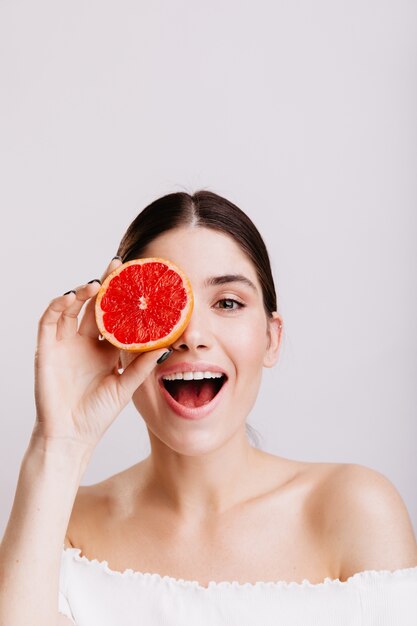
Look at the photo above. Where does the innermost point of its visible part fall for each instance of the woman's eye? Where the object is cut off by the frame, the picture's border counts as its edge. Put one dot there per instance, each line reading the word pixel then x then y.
pixel 228 302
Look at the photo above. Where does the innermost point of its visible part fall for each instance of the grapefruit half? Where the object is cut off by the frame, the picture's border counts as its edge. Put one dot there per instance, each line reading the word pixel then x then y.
pixel 144 304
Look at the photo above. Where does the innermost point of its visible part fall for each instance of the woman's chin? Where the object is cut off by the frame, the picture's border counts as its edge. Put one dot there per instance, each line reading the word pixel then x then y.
pixel 193 444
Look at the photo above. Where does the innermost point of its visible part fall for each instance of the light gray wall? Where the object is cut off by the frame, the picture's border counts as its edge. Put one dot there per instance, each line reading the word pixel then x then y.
pixel 302 113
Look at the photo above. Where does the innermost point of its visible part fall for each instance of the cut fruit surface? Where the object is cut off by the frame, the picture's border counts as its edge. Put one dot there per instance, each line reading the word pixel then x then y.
pixel 145 304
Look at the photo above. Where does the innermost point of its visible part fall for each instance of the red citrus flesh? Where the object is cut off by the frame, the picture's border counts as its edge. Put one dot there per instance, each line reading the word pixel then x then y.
pixel 144 304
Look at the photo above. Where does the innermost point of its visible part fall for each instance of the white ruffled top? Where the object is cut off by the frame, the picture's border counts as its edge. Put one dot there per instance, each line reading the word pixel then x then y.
pixel 92 594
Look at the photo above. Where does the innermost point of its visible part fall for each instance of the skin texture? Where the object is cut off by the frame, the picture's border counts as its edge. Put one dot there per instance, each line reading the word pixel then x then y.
pixel 205 505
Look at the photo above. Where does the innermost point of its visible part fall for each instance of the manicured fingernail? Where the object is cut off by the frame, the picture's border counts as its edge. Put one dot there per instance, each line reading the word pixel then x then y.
pixel 117 257
pixel 165 356
pixel 95 280
pixel 71 291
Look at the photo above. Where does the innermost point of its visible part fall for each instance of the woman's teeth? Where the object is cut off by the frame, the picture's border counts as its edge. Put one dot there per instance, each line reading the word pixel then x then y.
pixel 192 375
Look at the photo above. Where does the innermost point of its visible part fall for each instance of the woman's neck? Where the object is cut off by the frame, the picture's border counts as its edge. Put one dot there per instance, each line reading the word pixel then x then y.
pixel 201 486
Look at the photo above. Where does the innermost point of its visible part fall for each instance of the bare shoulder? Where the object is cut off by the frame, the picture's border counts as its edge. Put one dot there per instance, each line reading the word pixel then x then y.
pixel 90 505
pixel 96 504
pixel 368 523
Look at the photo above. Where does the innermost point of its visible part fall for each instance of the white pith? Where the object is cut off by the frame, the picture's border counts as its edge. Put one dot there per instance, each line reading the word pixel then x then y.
pixel 192 375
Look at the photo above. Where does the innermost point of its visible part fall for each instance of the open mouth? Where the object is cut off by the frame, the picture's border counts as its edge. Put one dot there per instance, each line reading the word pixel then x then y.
pixel 194 393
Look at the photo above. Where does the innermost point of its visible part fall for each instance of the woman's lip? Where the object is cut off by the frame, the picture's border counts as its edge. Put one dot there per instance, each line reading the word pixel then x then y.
pixel 191 413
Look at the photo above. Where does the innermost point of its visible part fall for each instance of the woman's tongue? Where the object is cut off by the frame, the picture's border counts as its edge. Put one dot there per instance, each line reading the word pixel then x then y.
pixel 193 393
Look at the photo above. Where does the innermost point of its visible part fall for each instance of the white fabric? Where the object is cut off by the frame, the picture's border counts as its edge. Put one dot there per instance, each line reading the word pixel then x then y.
pixel 91 594
pixel 63 604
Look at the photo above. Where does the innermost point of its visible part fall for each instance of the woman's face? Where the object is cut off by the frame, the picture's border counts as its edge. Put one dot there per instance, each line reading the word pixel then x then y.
pixel 236 337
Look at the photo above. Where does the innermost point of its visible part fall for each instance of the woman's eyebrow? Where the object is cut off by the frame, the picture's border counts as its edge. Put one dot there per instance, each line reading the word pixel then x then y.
pixel 212 281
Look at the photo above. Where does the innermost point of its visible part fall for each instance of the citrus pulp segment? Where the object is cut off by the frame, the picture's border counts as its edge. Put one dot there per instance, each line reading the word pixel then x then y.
pixel 144 304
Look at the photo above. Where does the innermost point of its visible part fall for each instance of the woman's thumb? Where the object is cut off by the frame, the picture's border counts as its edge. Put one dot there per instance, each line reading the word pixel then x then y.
pixel 140 368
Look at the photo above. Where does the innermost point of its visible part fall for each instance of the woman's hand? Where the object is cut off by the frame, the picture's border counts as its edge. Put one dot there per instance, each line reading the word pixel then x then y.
pixel 78 388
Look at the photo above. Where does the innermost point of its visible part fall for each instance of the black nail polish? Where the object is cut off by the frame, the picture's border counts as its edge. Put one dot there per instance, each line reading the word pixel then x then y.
pixel 71 291
pixel 165 356
pixel 95 280
pixel 117 257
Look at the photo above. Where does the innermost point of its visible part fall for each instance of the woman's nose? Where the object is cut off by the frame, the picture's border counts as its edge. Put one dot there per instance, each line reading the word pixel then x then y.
pixel 196 334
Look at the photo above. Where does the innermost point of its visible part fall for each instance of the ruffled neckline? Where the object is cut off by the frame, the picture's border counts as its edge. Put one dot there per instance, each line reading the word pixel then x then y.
pixel 359 577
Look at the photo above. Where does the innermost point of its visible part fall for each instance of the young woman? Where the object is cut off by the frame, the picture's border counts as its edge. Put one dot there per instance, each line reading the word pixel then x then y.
pixel 207 529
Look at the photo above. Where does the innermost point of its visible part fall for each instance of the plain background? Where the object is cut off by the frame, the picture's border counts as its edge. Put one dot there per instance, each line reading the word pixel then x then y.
pixel 303 114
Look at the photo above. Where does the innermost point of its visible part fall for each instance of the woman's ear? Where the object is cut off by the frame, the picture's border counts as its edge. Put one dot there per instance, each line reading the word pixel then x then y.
pixel 274 333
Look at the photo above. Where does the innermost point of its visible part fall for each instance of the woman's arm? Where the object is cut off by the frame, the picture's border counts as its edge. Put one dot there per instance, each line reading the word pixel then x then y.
pixel 78 395
pixel 30 552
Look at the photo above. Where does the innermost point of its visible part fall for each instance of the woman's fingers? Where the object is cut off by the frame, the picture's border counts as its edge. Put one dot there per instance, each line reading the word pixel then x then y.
pixel 88 324
pixel 48 323
pixel 60 319
pixel 68 322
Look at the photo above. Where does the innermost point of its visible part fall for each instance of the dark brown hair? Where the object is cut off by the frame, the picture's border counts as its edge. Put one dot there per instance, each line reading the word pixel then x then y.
pixel 205 209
